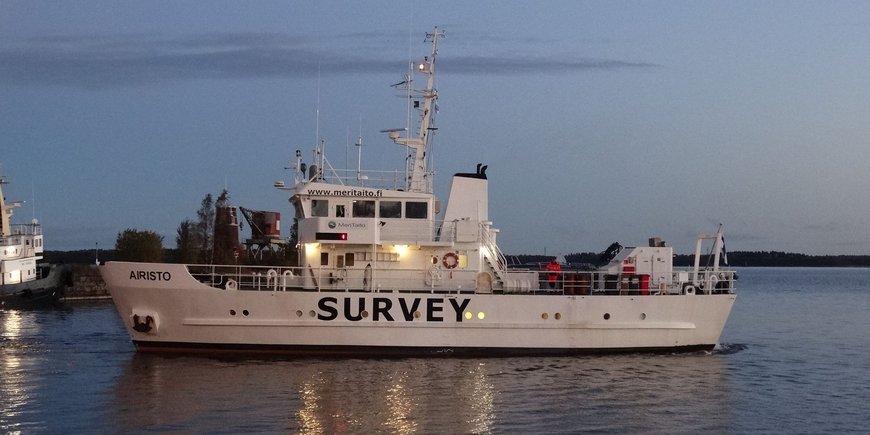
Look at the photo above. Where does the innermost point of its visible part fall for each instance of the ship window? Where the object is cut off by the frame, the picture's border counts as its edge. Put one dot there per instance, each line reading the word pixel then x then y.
pixel 391 209
pixel 416 210
pixel 348 260
pixel 364 209
pixel 324 259
pixel 339 210
pixel 319 207
pixel 387 256
pixel 339 261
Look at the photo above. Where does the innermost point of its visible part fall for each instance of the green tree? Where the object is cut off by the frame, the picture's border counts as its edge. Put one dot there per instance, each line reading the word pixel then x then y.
pixel 205 229
pixel 143 246
pixel 187 242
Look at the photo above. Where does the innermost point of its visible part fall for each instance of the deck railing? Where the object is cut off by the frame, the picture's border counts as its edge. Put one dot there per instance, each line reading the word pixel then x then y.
pixel 436 280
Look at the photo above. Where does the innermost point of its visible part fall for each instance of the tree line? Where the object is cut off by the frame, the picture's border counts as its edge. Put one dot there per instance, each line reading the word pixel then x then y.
pixel 196 242
pixel 735 259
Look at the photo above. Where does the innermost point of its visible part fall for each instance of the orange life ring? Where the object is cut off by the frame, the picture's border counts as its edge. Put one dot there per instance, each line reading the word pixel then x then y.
pixel 453 260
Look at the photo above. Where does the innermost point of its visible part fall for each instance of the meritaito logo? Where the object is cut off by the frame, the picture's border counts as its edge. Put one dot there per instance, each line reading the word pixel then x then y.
pixel 356 193
pixel 331 225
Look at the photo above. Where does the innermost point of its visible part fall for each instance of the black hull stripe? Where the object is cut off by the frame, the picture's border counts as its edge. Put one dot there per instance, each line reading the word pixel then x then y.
pixel 392 351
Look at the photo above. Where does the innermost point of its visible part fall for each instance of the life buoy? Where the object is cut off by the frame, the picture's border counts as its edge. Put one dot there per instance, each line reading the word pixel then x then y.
pixel 232 284
pixel 689 289
pixel 450 260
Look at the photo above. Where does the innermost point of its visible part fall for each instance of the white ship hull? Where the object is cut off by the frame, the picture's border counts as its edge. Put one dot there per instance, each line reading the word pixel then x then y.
pixel 186 315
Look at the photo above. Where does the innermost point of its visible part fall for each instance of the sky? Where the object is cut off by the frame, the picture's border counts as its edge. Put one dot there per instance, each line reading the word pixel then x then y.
pixel 600 121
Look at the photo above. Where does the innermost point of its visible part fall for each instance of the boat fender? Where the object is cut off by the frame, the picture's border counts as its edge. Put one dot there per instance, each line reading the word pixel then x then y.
pixel 689 289
pixel 232 284
pixel 450 260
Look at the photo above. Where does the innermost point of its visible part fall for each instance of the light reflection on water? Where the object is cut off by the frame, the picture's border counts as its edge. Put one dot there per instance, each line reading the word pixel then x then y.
pixel 796 359
pixel 13 385
pixel 310 396
pixel 633 392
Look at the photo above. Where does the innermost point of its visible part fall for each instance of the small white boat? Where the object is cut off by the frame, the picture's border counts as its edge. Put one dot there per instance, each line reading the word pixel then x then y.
pixel 24 282
pixel 383 271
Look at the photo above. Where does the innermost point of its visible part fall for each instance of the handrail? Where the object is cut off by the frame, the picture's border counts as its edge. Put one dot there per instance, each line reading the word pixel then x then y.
pixel 567 282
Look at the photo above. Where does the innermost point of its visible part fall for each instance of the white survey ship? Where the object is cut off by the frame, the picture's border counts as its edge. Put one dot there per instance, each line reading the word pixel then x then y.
pixel 384 272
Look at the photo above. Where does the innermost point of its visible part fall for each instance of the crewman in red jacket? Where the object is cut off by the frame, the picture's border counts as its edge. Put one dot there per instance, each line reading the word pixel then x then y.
pixel 555 270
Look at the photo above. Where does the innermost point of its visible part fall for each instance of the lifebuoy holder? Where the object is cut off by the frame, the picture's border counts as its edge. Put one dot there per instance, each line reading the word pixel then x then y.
pixel 450 260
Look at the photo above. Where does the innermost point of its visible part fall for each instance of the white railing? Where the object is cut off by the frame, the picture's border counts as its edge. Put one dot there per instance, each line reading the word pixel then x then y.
pixel 432 280
pixel 375 179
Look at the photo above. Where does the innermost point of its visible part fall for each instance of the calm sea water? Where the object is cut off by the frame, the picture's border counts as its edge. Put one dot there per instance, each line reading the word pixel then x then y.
pixel 795 358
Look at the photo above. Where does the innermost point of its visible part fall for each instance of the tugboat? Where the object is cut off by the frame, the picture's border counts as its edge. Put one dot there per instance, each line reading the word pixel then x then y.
pixel 25 283
pixel 383 271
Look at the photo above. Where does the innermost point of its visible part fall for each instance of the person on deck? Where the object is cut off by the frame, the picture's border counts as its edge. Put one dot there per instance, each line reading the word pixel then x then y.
pixel 555 270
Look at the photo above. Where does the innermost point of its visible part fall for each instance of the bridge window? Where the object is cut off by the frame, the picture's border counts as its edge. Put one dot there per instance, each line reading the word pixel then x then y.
pixel 391 209
pixel 319 207
pixel 348 259
pixel 339 210
pixel 364 209
pixel 416 210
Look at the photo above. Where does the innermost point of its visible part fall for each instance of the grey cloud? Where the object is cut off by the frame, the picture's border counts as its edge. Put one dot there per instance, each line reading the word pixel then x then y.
pixel 506 66
pixel 101 61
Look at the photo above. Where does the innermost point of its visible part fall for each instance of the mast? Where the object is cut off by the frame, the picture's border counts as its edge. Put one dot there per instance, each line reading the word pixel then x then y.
pixel 417 180
pixel 4 215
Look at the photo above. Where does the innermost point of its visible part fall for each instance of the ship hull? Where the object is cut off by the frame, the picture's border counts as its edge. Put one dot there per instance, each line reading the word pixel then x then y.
pixel 166 310
pixel 35 294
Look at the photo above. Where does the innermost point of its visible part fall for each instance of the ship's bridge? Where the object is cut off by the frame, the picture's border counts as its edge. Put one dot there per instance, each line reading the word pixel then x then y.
pixel 361 215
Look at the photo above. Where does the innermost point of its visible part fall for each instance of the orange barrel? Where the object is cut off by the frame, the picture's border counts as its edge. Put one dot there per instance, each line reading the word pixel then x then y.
pixel 569 281
pixel 585 285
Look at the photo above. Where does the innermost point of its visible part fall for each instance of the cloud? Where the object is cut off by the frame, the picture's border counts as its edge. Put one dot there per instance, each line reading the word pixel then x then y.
pixel 531 65
pixel 113 61
pixel 827 227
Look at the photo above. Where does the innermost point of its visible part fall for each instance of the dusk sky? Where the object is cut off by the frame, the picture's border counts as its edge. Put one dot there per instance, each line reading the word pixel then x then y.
pixel 600 121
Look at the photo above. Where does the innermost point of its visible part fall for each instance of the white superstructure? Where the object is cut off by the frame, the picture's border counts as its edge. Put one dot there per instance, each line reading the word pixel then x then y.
pixel 384 271
pixel 20 245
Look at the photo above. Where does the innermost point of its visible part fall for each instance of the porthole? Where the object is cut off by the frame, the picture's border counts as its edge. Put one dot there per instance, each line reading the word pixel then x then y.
pixel 312 313
pixel 365 314
pixel 232 312
pixel 558 316
pixel 417 314
pixel 544 316
pixel 245 312
pixel 298 313
pixel 480 315
pixel 642 316
pixel 606 316
pixel 468 315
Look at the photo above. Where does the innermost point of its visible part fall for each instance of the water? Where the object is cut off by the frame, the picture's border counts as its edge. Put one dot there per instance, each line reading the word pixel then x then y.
pixel 795 359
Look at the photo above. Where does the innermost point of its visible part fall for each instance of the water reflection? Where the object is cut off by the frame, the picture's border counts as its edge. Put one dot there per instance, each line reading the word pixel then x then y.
pixel 668 393
pixel 14 383
pixel 12 388
pixel 309 396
